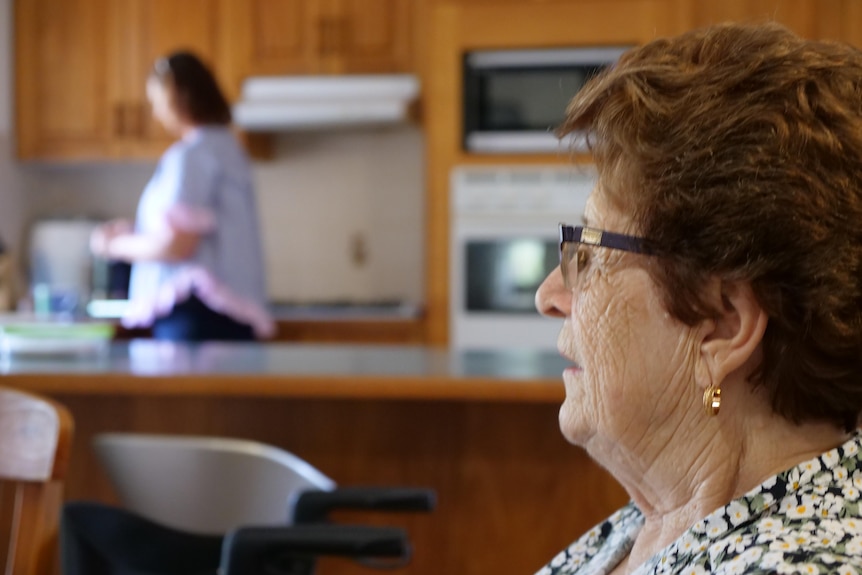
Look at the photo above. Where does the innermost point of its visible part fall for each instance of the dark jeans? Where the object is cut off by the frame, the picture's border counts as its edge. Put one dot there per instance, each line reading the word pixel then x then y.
pixel 192 320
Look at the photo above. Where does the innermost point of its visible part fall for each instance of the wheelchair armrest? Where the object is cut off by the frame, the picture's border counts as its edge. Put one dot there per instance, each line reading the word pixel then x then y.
pixel 292 550
pixel 313 506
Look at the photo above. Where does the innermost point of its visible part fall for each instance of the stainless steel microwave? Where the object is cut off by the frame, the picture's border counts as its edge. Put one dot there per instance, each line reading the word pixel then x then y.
pixel 515 99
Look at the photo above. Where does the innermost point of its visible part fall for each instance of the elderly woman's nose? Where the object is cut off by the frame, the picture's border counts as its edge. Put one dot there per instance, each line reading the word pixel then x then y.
pixel 553 299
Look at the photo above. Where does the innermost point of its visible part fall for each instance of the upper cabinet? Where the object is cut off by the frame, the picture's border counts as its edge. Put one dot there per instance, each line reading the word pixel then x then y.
pixel 81 65
pixel 143 31
pixel 63 84
pixel 81 69
pixel 823 19
pixel 271 37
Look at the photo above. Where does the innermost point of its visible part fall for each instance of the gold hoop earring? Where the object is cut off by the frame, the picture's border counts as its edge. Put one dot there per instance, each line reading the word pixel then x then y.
pixel 712 400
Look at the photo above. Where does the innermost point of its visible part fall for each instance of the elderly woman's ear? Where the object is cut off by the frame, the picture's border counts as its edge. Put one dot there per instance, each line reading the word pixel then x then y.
pixel 730 342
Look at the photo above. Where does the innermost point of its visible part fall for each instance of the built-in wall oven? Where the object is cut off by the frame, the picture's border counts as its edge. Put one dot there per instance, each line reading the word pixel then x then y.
pixel 504 241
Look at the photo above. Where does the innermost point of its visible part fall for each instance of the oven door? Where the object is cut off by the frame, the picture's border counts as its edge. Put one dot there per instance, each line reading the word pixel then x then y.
pixel 496 269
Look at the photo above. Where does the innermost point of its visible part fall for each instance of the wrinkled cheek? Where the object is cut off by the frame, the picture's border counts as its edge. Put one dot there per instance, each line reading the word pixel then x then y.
pixel 577 416
pixel 594 402
pixel 570 425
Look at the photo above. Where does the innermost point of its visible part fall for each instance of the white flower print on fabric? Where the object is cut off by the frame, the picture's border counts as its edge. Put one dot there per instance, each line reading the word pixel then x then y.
pixel 804 520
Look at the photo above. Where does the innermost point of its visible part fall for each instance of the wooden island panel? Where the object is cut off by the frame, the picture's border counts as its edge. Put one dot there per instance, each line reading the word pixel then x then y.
pixel 511 492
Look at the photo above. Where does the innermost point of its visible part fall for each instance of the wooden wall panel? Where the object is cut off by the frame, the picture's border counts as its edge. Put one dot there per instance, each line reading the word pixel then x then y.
pixel 511 491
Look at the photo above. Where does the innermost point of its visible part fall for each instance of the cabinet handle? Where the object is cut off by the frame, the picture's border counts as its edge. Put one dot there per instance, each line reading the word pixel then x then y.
pixel 119 120
pixel 344 36
pixel 335 36
pixel 143 126
pixel 327 30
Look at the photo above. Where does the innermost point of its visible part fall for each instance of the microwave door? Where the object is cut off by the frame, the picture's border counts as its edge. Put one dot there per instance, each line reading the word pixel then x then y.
pixel 515 100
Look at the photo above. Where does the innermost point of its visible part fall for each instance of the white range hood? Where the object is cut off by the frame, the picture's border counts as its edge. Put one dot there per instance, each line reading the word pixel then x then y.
pixel 286 103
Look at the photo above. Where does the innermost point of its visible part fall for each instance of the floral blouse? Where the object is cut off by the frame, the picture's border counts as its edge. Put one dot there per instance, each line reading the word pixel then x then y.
pixel 804 520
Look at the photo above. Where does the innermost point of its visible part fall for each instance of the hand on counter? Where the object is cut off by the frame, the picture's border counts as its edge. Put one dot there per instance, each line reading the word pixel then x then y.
pixel 103 235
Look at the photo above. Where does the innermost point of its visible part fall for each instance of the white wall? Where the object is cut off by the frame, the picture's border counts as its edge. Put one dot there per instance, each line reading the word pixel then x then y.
pixel 328 189
pixel 322 192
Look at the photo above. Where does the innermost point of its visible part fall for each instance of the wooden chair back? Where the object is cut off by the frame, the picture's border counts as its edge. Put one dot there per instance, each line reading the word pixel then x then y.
pixel 35 444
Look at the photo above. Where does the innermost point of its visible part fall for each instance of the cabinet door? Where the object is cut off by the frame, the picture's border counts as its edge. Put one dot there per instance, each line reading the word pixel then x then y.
pixel 371 36
pixel 270 37
pixel 273 37
pixel 81 69
pixel 155 28
pixel 841 19
pixel 822 19
pixel 63 90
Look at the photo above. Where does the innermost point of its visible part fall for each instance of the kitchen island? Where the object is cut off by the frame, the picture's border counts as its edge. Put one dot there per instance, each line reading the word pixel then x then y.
pixel 478 427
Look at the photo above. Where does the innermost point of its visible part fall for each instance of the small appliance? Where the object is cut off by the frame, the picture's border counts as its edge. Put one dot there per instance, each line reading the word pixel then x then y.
pixel 63 274
pixel 514 99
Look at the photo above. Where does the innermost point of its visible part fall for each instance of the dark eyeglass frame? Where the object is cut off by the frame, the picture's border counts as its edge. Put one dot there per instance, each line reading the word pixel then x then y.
pixel 572 237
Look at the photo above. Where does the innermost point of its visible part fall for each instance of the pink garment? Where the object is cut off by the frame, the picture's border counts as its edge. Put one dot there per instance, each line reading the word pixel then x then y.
pixel 199 281
pixel 195 279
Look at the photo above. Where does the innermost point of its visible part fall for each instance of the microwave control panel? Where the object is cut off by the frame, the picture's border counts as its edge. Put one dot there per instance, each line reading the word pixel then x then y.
pixel 489 190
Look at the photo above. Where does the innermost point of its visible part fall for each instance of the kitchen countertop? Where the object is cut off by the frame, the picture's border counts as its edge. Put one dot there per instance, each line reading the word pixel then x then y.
pixel 284 311
pixel 148 367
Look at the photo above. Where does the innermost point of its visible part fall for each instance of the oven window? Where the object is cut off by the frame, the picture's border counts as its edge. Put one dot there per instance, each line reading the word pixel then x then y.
pixel 503 275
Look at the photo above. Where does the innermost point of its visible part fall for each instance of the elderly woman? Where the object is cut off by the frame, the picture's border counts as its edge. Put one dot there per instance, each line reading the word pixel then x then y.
pixel 712 305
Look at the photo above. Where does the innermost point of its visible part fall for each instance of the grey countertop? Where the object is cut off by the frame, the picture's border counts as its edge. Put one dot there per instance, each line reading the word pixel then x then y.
pixel 313 311
pixel 406 372
pixel 152 357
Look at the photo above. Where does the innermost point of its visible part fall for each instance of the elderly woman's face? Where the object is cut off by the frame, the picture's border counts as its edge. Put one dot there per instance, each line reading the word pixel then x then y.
pixel 633 362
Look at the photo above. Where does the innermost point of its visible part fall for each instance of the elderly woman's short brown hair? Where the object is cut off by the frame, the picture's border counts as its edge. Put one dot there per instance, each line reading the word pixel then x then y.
pixel 737 150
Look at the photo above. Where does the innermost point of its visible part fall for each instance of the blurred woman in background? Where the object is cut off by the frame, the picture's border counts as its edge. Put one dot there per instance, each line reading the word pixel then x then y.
pixel 197 263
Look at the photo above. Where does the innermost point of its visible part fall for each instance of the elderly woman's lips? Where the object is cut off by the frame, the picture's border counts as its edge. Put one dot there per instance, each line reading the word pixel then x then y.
pixel 575 365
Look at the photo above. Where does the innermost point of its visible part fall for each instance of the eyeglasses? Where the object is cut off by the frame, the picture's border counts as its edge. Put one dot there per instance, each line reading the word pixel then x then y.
pixel 573 257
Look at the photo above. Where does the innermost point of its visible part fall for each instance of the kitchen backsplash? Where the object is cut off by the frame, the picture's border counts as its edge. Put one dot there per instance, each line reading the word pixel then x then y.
pixel 341 212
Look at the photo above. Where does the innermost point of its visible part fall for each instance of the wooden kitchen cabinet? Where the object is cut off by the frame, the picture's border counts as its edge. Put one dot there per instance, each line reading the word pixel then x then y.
pixel 81 65
pixel 820 19
pixel 143 31
pixel 62 78
pixel 81 68
pixel 272 37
